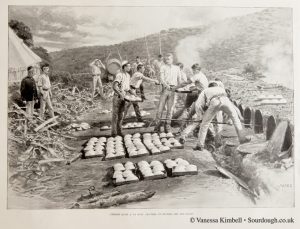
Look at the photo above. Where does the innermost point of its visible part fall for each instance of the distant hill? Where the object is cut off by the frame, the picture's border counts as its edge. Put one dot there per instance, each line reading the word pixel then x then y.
pixel 262 39
pixel 76 60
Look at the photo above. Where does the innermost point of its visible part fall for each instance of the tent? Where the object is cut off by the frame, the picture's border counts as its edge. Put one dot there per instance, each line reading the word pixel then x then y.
pixel 20 57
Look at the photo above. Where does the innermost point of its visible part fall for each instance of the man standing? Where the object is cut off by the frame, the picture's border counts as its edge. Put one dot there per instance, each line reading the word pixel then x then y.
pixel 135 84
pixel 169 78
pixel 212 100
pixel 29 91
pixel 199 79
pixel 121 85
pixel 45 91
pixel 135 64
pixel 158 64
pixel 96 72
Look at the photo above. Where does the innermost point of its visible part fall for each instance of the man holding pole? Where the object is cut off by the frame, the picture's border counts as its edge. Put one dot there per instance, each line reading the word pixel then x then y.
pixel 169 77
pixel 96 72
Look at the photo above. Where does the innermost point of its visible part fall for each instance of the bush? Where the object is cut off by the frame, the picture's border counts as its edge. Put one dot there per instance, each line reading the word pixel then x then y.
pixel 249 69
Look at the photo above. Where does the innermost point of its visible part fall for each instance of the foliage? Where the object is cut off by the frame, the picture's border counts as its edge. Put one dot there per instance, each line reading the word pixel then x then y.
pixel 42 53
pixel 22 31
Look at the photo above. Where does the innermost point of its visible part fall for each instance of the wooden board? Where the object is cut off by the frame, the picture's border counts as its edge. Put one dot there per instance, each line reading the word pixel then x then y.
pixel 175 174
pixel 156 177
pixel 247 117
pixel 288 139
pixel 276 142
pixel 241 108
pixel 186 92
pixel 271 126
pixel 258 122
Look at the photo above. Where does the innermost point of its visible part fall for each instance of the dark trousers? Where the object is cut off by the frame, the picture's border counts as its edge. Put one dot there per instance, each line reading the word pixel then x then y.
pixel 117 115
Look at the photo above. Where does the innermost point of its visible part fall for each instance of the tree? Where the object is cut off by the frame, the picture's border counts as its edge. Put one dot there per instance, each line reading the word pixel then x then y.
pixel 22 31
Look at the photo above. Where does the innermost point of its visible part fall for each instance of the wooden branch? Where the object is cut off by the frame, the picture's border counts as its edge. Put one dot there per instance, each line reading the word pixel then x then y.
pixel 79 155
pixel 51 151
pixel 53 160
pixel 86 199
pixel 49 126
pixel 117 200
pixel 45 123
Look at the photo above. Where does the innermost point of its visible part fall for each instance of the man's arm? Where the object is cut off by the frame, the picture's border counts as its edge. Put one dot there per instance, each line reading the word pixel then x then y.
pixel 147 79
pixel 116 88
pixel 22 89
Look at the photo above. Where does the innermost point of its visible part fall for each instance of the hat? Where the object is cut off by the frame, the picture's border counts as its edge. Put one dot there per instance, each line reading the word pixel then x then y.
pixel 124 62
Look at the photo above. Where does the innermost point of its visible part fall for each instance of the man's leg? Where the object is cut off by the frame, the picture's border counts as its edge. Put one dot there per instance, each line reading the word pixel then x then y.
pixel 115 111
pixel 137 112
pixel 127 106
pixel 121 117
pixel 161 106
pixel 42 107
pixel 207 118
pixel 229 109
pixel 170 106
pixel 100 87
pixel 94 85
pixel 49 106
pixel 28 108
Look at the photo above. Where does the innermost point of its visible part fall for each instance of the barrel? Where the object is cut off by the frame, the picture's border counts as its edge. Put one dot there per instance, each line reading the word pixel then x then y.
pixel 113 66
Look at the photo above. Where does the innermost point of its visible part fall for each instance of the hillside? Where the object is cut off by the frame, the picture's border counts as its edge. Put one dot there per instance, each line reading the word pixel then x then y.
pixel 262 39
pixel 76 60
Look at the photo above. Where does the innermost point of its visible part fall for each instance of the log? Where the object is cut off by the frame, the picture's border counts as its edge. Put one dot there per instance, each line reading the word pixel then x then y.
pixel 94 197
pixel 67 147
pixel 53 160
pixel 51 151
pixel 45 123
pixel 49 126
pixel 117 200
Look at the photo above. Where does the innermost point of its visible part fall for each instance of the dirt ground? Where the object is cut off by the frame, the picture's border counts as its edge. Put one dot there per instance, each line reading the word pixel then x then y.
pixel 62 185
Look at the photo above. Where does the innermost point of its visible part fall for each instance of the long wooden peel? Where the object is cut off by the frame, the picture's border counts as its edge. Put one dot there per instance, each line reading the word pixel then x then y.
pixel 190 120
pixel 236 179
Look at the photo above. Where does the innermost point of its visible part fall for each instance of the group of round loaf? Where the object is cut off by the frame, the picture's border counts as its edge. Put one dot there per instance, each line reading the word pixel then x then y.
pixel 134 145
pixel 153 143
pixel 152 169
pixel 180 165
pixel 95 146
pixel 114 147
pixel 133 125
pixel 171 142
pixel 124 172
pixel 166 135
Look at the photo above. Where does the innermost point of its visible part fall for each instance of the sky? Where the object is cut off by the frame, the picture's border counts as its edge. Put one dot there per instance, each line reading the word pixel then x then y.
pixel 57 28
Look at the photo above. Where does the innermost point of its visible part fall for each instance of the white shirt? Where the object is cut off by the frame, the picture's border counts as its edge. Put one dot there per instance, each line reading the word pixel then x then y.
pixel 44 82
pixel 136 79
pixel 123 78
pixel 201 78
pixel 95 69
pixel 170 75
pixel 183 77
pixel 207 94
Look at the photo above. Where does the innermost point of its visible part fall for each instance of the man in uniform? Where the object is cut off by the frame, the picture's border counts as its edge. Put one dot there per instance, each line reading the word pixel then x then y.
pixel 169 78
pixel 121 86
pixel 96 72
pixel 44 85
pixel 29 91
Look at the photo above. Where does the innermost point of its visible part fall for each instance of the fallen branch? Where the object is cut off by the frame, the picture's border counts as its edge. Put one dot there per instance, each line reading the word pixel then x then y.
pixel 53 160
pixel 79 155
pixel 117 200
pixel 45 123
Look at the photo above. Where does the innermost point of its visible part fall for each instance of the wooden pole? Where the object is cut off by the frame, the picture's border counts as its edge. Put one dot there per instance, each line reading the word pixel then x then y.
pixel 147 48
pixel 159 40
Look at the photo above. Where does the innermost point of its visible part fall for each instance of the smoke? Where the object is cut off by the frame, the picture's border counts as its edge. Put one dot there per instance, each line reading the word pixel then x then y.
pixel 188 50
pixel 277 59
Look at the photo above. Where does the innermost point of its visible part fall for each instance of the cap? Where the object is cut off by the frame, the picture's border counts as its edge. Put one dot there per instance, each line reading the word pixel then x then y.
pixel 124 62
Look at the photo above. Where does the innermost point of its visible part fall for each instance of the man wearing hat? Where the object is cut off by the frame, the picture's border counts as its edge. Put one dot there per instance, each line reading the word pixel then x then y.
pixel 121 85
pixel 170 77
pixel 96 72
pixel 200 81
